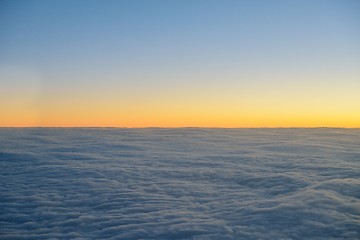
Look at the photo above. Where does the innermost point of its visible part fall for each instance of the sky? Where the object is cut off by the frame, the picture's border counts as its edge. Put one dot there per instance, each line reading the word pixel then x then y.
pixel 200 63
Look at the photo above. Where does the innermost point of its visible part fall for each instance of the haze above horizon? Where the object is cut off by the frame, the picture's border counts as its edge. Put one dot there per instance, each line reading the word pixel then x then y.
pixel 180 63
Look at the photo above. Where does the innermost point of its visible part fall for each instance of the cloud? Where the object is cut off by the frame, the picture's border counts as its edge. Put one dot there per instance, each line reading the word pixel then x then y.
pixel 179 184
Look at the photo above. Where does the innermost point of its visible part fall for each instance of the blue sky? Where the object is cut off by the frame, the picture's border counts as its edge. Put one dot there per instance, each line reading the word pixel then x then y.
pixel 112 32
pixel 152 46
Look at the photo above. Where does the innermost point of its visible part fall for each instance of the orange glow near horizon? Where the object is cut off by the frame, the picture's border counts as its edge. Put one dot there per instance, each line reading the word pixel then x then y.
pixel 280 105
pixel 190 113
pixel 211 106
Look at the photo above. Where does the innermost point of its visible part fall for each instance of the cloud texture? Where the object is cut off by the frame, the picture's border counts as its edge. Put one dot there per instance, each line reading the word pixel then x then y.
pixel 180 183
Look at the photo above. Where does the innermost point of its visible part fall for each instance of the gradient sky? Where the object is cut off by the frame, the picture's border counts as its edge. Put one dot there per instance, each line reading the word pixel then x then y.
pixel 180 63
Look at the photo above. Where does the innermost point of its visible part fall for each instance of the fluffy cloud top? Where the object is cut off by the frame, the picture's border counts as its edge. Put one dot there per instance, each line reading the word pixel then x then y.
pixel 179 184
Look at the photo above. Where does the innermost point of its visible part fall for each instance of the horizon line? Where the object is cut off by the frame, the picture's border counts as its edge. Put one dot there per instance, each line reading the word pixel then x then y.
pixel 185 127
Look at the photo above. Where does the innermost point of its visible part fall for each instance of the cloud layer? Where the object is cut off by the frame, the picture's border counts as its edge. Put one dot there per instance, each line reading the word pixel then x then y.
pixel 180 183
